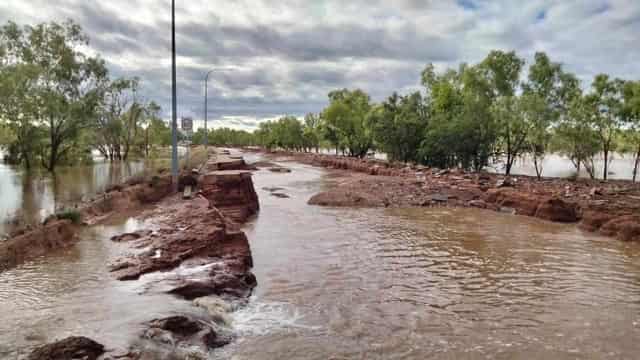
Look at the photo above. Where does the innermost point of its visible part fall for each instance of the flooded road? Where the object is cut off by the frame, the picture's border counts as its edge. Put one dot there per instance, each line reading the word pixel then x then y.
pixel 435 283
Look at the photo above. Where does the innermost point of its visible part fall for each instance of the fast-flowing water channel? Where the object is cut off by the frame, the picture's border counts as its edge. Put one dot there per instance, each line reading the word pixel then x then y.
pixel 436 283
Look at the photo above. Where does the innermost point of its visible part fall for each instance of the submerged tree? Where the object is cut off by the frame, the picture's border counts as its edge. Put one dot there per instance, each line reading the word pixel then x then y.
pixel 63 84
pixel 19 113
pixel 550 91
pixel 462 130
pixel 154 131
pixel 514 118
pixel 605 106
pixel 576 137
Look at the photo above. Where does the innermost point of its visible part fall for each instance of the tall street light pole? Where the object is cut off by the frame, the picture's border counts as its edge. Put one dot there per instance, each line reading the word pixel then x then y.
pixel 206 88
pixel 206 135
pixel 174 105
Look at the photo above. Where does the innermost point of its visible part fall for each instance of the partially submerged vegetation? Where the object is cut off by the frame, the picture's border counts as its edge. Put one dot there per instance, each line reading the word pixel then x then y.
pixel 73 215
pixel 57 103
pixel 477 114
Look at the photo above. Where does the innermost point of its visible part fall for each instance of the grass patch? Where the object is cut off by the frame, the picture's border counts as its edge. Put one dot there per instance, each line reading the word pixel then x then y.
pixel 70 214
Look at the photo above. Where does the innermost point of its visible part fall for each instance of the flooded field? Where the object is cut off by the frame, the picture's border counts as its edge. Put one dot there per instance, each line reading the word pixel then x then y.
pixel 29 197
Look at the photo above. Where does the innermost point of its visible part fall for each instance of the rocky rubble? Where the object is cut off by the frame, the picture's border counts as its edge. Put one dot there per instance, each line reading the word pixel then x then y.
pixel 232 192
pixel 75 347
pixel 202 235
pixel 200 250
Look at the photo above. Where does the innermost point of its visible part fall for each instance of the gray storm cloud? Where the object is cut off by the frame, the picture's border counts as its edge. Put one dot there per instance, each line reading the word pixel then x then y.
pixel 286 56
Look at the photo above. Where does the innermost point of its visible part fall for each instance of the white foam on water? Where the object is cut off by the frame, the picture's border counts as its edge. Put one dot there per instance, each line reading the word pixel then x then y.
pixel 260 318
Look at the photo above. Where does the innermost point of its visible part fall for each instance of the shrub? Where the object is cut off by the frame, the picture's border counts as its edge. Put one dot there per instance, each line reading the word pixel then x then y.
pixel 69 214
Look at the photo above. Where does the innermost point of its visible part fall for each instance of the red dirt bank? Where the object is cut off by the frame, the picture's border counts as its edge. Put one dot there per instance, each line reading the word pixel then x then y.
pixel 609 208
pixel 203 235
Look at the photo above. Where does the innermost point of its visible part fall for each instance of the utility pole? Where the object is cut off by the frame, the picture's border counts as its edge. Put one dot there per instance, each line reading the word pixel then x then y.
pixel 174 104
pixel 206 135
pixel 206 110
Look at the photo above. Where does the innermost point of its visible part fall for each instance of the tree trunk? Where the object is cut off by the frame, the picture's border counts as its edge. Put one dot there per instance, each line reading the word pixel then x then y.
pixel 125 155
pixel 54 146
pixel 53 154
pixel 591 168
pixel 606 163
pixel 508 166
pixel 27 162
pixel 636 165
pixel 538 166
pixel 25 155
pixel 146 142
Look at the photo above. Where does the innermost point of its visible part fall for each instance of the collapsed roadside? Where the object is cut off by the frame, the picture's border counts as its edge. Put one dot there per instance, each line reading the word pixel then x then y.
pixel 195 247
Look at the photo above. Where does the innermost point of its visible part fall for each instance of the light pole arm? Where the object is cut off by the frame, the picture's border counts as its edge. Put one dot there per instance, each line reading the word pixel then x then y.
pixel 206 89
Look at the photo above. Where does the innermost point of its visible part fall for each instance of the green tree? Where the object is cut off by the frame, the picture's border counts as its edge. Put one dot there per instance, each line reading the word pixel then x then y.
pixel 631 115
pixel 19 113
pixel 440 147
pixel 502 71
pixel 311 131
pixel 604 102
pixel 535 112
pixel 462 131
pixel 550 90
pixel 120 119
pixel 345 121
pixel 398 126
pixel 513 118
pixel 575 136
pixel 64 90
pixel 154 131
pixel 285 133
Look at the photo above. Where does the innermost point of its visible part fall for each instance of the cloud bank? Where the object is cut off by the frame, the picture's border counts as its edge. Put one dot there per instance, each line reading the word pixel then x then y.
pixel 283 57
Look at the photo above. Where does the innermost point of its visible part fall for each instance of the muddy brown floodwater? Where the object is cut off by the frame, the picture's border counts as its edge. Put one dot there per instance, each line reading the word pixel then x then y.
pixel 30 197
pixel 436 283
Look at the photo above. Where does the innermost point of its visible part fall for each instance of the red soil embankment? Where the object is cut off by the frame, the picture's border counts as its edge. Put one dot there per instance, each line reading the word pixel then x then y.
pixel 610 208
pixel 55 234
pixel 202 235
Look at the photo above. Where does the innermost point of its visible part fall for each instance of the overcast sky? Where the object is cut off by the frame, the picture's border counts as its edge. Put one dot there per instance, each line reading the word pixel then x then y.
pixel 283 57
